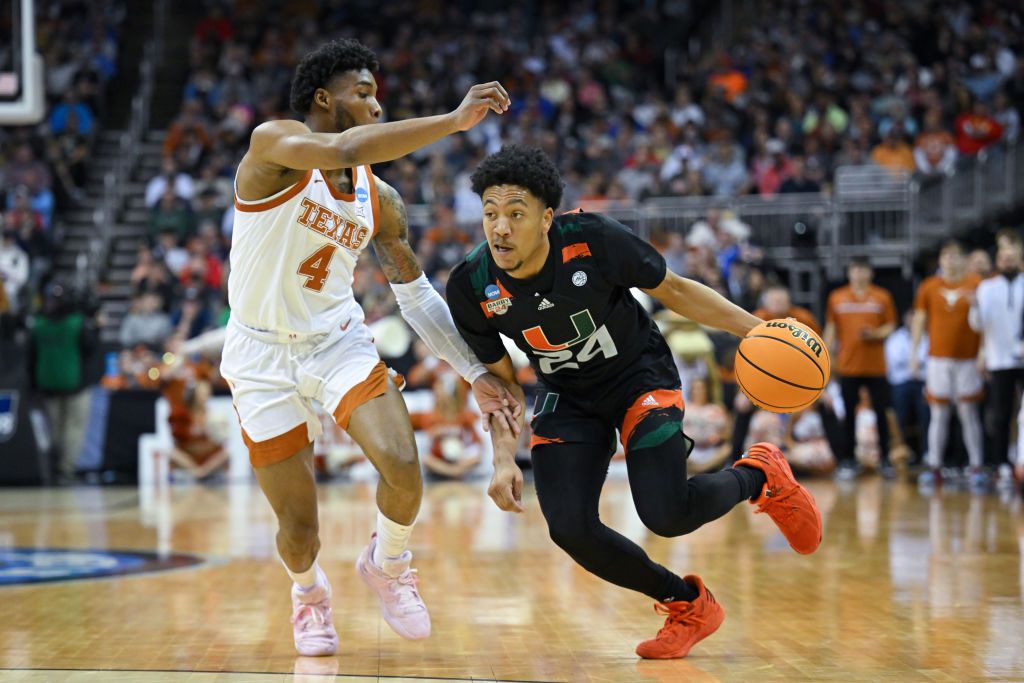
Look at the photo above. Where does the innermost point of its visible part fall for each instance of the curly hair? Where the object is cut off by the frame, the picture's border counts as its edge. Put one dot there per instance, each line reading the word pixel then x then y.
pixel 318 67
pixel 523 166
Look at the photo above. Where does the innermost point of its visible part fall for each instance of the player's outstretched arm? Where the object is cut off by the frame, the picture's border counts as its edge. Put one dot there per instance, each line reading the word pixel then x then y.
pixel 506 488
pixel 291 144
pixel 428 314
pixel 702 305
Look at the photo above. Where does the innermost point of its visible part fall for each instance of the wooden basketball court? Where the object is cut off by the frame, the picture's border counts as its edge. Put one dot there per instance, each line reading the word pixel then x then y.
pixel 904 588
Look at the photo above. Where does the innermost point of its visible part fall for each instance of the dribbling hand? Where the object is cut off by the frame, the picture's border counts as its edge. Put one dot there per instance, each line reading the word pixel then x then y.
pixel 478 101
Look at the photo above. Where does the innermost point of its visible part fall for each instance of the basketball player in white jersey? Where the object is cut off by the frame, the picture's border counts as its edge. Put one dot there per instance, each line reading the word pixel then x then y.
pixel 306 206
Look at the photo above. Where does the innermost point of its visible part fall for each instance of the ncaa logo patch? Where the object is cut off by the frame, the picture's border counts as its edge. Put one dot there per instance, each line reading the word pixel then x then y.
pixel 361 194
pixel 492 291
pixel 579 278
pixel 8 414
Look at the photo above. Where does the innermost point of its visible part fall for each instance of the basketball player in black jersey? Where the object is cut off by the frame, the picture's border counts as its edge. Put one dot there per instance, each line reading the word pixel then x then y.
pixel 558 286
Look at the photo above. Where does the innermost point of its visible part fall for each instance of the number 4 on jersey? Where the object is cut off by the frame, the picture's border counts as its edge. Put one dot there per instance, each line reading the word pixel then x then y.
pixel 316 268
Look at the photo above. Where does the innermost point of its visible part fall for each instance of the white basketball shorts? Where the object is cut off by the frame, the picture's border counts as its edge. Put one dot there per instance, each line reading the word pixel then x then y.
pixel 274 382
pixel 953 379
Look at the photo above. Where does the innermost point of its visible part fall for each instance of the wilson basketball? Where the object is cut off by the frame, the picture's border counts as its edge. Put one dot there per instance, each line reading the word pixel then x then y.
pixel 782 366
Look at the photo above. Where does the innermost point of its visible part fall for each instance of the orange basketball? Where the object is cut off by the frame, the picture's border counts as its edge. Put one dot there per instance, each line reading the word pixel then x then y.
pixel 782 366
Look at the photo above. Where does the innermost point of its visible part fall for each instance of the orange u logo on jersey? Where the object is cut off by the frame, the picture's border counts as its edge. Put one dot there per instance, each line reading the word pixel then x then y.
pixel 581 321
pixel 554 357
pixel 331 225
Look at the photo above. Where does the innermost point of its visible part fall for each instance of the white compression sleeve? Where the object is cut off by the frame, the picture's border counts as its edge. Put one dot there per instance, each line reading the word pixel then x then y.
pixel 428 314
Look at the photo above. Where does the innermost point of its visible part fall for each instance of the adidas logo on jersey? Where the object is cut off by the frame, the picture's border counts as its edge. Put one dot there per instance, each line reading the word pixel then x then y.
pixel 544 305
pixel 649 402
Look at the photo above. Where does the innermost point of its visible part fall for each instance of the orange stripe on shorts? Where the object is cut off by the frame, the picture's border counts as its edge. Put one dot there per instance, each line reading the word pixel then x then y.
pixel 375 384
pixel 277 448
pixel 543 441
pixel 662 398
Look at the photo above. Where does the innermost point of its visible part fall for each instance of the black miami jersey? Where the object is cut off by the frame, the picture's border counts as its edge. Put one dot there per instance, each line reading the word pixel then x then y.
pixel 576 320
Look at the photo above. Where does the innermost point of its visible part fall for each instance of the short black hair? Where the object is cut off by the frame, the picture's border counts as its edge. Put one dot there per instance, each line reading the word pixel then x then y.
pixel 523 166
pixel 860 262
pixel 1009 235
pixel 953 244
pixel 318 67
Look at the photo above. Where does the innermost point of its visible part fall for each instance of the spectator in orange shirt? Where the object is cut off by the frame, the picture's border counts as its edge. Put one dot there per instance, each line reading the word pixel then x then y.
pixel 858 318
pixel 455 445
pixel 188 390
pixel 893 153
pixel 776 303
pixel 727 77
pixel 188 128
pixel 943 303
pixel 935 150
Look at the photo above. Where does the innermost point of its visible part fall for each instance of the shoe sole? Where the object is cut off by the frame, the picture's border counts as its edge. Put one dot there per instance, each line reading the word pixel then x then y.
pixel 327 652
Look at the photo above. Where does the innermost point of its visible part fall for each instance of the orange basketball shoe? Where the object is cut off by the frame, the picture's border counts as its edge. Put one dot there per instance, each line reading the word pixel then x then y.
pixel 789 504
pixel 686 624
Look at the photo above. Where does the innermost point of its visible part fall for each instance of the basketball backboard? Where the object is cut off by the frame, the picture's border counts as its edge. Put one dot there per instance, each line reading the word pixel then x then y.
pixel 22 96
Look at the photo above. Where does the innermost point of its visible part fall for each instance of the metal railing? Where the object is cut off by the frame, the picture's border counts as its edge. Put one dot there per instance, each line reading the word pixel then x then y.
pixel 117 179
pixel 884 216
pixel 992 181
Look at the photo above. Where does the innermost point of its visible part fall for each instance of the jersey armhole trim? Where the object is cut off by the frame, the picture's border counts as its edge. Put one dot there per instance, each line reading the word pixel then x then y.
pixel 274 200
pixel 340 196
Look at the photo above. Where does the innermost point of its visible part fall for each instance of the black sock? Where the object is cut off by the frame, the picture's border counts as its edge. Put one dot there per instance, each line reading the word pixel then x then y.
pixel 678 589
pixel 751 479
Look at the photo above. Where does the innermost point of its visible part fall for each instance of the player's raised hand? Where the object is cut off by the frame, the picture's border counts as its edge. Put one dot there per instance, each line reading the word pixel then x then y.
pixel 506 489
pixel 478 101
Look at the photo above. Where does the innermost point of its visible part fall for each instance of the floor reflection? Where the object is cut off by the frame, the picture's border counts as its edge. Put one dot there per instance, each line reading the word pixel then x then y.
pixel 904 587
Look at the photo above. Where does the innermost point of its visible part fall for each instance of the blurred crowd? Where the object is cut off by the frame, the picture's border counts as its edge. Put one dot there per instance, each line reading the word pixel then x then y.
pixel 801 89
pixel 43 167
pixel 610 93
pixel 43 173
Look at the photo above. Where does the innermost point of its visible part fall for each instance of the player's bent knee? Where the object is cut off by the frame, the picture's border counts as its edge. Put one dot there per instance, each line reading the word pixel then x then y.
pixel 398 464
pixel 298 532
pixel 668 528
pixel 572 536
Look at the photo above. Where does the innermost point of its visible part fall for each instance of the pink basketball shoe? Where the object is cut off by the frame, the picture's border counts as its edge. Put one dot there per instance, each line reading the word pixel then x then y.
pixel 395 585
pixel 312 624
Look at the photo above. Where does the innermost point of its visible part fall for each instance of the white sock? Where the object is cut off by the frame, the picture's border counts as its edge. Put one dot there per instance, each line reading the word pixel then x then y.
pixel 970 424
pixel 392 539
pixel 938 434
pixel 304 580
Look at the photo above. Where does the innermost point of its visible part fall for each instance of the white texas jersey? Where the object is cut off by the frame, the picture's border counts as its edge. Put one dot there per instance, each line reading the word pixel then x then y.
pixel 293 254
